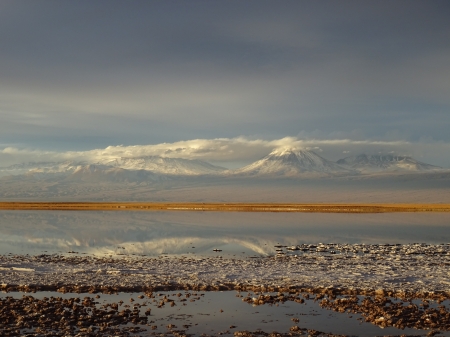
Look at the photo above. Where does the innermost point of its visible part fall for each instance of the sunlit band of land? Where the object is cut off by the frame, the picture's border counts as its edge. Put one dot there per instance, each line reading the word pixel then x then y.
pixel 224 207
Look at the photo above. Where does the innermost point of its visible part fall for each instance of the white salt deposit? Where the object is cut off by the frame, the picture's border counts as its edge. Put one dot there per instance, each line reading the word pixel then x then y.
pixel 412 268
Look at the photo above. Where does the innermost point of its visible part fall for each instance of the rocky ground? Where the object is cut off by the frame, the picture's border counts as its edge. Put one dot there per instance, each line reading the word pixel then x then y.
pixel 416 269
pixel 74 317
pixel 87 316
pixel 379 282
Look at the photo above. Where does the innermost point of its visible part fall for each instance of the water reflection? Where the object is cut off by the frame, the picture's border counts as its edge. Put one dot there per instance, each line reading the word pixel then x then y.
pixel 213 313
pixel 239 234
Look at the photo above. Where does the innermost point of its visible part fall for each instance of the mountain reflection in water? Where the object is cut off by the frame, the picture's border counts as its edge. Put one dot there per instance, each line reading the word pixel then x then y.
pixel 235 234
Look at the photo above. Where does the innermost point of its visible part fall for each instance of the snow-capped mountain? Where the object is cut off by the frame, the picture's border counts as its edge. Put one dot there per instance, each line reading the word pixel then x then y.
pixel 150 164
pixel 41 168
pixel 77 171
pixel 279 163
pixel 163 165
pixel 104 173
pixel 381 163
pixel 292 162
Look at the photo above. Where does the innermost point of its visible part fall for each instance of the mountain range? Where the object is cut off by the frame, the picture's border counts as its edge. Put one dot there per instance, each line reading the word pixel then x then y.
pixel 378 163
pixel 164 165
pixel 279 163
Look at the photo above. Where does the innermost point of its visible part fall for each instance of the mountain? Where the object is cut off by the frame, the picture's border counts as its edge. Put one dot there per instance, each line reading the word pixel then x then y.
pixel 104 173
pixel 381 163
pixel 150 164
pixel 163 165
pixel 77 171
pixel 41 168
pixel 292 162
pixel 149 169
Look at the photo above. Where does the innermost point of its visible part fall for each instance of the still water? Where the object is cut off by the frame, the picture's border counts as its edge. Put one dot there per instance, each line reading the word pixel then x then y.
pixel 223 313
pixel 237 235
pixel 180 233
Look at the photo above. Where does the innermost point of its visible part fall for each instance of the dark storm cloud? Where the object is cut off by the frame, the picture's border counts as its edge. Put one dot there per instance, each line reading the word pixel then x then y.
pixel 93 73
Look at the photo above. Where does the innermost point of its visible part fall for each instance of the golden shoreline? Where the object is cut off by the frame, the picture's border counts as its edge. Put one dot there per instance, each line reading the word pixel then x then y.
pixel 224 207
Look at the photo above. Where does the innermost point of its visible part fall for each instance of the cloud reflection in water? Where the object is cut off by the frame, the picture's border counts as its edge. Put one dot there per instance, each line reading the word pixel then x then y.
pixel 154 233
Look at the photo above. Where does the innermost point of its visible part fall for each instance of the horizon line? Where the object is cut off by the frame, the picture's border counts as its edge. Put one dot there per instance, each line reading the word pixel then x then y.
pixel 227 207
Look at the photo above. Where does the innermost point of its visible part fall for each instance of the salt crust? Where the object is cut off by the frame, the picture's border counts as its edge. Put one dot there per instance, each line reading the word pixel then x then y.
pixel 414 269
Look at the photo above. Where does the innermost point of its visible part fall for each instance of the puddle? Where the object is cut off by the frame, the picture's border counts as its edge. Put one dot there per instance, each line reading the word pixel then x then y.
pixel 214 313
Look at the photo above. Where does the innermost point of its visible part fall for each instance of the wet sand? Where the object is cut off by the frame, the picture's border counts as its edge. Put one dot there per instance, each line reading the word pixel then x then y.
pixel 226 207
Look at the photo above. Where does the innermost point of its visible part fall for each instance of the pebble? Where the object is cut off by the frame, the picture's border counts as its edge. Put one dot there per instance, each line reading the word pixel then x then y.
pixel 343 277
pixel 413 268
pixel 65 317
pixel 84 316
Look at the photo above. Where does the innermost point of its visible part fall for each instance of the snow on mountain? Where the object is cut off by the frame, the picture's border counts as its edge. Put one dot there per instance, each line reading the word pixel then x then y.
pixel 292 162
pixel 279 163
pixel 41 168
pixel 163 165
pixel 105 173
pixel 77 171
pixel 150 164
pixel 382 163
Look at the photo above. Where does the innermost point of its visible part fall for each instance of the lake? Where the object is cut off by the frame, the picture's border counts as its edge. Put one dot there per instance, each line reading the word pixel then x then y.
pixel 199 235
pixel 175 233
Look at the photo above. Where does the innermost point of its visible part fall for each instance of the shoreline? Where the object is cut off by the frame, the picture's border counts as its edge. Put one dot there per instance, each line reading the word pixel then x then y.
pixel 383 283
pixel 226 207
pixel 109 315
pixel 62 288
pixel 413 270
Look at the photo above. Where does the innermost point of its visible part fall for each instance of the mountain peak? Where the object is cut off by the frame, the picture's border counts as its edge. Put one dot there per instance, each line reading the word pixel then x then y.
pixel 286 150
pixel 292 162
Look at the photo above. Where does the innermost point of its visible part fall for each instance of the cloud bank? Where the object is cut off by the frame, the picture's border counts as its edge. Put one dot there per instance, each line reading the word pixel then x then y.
pixel 233 152
pixel 87 74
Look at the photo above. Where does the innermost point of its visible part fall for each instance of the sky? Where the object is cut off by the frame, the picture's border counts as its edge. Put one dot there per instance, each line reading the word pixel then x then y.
pixel 224 81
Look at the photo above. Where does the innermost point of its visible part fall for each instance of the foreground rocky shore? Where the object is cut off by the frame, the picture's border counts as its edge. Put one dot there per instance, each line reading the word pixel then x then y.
pixel 383 283
pixel 86 316
pixel 415 270
pixel 55 316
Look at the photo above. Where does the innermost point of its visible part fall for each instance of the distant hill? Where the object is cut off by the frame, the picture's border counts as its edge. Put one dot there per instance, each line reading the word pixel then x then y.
pixel 150 164
pixel 40 169
pixel 164 165
pixel 385 163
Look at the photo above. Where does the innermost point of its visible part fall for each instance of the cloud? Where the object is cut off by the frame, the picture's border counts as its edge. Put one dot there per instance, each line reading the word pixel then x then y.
pixel 155 72
pixel 239 150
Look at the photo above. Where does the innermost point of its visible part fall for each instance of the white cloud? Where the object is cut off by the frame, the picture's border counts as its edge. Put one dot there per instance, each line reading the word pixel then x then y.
pixel 238 150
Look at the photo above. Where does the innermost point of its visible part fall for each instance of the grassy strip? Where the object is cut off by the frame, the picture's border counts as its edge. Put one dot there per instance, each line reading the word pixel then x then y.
pixel 227 207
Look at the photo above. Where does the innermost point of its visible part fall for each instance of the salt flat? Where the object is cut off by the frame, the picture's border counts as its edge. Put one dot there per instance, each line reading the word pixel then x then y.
pixel 415 269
